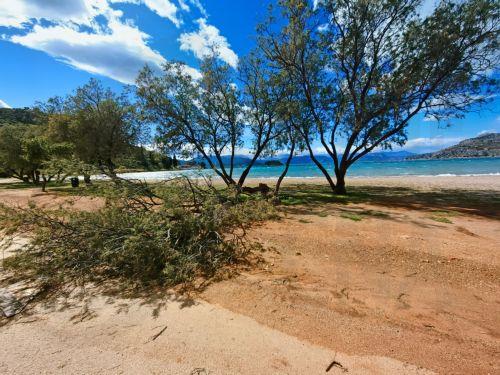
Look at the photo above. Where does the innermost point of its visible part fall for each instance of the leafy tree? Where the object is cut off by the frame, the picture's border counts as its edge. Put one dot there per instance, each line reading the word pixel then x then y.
pixel 11 151
pixel 208 116
pixel 27 154
pixel 102 125
pixel 362 70
pixel 263 100
pixel 194 116
pixel 19 116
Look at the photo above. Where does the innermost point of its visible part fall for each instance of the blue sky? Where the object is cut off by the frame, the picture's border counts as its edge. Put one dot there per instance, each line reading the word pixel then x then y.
pixel 49 47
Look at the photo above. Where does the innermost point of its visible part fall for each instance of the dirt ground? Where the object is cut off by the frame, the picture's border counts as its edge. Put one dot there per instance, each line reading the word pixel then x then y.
pixel 395 281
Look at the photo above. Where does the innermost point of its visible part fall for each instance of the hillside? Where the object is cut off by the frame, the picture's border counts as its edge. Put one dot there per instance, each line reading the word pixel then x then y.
pixel 243 160
pixel 18 115
pixel 487 145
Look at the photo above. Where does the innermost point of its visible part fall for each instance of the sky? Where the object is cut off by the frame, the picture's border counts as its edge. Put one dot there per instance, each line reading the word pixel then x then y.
pixel 50 47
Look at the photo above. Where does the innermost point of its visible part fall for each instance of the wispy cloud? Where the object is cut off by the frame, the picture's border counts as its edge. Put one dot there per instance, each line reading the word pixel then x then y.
pixel 487 131
pixel 89 35
pixel 431 143
pixel 4 105
pixel 17 13
pixel 206 39
pixel 163 8
pixel 119 53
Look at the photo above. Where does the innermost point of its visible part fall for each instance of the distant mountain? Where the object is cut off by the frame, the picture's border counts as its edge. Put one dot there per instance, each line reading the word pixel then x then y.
pixel 242 160
pixel 486 145
pixel 380 156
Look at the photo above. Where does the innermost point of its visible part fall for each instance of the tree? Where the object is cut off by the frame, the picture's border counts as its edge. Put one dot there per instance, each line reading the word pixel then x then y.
pixel 263 100
pixel 195 116
pixel 28 154
pixel 102 125
pixel 364 69
pixel 208 116
pixel 11 151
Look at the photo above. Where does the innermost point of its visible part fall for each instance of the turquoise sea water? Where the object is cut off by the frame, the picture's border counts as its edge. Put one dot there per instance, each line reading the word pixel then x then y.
pixel 451 167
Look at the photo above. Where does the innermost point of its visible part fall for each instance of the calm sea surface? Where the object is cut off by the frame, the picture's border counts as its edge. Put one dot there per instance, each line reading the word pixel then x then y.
pixel 452 167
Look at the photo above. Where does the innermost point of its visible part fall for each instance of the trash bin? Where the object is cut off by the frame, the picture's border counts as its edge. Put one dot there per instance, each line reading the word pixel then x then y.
pixel 75 182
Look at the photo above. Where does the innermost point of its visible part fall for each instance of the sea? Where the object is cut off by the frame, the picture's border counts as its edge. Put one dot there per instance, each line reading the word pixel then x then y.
pixel 448 167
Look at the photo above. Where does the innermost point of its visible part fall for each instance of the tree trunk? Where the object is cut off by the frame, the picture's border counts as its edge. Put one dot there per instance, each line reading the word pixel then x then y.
pixel 36 177
pixel 44 183
pixel 321 167
pixel 246 171
pixel 285 171
pixel 340 185
pixel 86 178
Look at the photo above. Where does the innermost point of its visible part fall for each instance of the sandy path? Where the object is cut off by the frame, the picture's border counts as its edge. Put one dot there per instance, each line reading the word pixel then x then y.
pixel 118 340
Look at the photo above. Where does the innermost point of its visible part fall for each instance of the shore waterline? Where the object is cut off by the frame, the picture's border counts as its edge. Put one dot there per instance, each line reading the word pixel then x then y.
pixel 448 167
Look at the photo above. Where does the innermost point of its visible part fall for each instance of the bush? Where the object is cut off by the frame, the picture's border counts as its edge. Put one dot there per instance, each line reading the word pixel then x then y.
pixel 164 235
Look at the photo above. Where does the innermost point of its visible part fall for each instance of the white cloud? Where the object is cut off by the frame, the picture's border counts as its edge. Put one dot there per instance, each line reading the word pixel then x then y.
pixel 163 8
pixel 487 131
pixel 427 144
pixel 184 6
pixel 4 105
pixel 17 13
pixel 208 37
pixel 118 54
pixel 110 47
pixel 201 8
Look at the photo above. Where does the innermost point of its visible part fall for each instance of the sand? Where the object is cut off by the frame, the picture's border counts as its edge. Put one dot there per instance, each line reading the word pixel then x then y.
pixel 394 293
pixel 483 182
pixel 194 339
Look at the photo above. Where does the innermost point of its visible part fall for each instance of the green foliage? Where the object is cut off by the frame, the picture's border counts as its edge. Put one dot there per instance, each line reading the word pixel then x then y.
pixel 163 235
pixel 12 116
pixel 441 219
pixel 359 71
pixel 351 216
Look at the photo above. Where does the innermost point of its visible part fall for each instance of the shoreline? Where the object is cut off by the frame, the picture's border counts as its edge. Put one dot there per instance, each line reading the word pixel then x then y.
pixel 484 182
pixel 462 182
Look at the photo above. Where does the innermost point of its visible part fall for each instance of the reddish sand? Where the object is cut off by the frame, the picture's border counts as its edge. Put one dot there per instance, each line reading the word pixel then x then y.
pixel 396 292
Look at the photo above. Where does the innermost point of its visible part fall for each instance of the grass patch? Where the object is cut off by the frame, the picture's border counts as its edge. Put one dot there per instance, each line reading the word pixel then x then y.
pixel 375 213
pixel 305 221
pixel 441 219
pixel 351 216
pixel 445 213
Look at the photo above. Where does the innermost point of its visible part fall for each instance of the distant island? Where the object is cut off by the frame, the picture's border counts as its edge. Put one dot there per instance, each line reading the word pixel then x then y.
pixel 486 145
pixel 273 163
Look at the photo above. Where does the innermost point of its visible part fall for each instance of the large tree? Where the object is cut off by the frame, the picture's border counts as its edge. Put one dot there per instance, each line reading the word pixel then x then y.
pixel 195 116
pixel 363 69
pixel 208 116
pixel 28 154
pixel 102 125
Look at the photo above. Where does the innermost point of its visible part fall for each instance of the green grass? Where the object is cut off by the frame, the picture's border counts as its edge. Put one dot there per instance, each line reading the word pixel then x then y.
pixel 351 216
pixel 375 213
pixel 305 221
pixel 441 219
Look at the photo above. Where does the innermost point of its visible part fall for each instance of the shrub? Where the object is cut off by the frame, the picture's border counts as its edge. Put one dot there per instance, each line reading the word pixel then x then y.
pixel 164 235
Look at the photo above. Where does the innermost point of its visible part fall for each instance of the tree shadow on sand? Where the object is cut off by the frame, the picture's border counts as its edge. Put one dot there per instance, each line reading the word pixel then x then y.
pixel 314 199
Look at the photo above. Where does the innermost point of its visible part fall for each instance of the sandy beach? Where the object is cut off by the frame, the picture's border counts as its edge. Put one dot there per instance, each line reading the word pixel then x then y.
pixel 401 279
pixel 484 182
